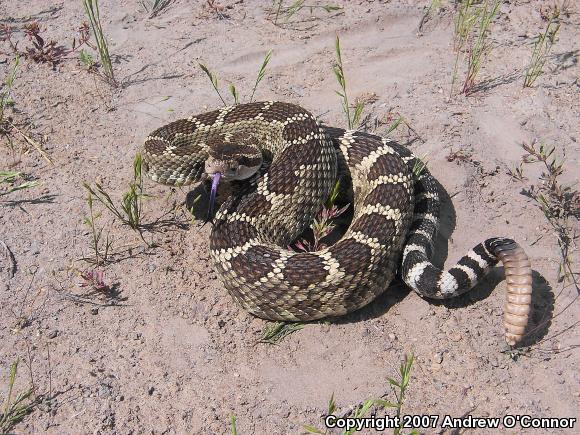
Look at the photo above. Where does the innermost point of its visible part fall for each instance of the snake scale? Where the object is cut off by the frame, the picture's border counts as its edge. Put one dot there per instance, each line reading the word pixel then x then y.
pixel 285 164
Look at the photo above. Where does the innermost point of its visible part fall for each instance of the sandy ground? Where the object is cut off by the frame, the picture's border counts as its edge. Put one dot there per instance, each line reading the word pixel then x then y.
pixel 168 350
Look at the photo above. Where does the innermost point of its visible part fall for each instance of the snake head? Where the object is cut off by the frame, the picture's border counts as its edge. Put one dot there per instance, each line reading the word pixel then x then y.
pixel 233 162
pixel 235 157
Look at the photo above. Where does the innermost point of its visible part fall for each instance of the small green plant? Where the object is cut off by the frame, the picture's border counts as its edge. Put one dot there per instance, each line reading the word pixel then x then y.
pixel 131 209
pixel 261 73
pixel 10 179
pixel 234 430
pixel 464 22
pixel 419 166
pixel 394 125
pixel 154 7
pixel 559 203
pixel 542 47
pixel 353 118
pixel 323 223
pixel 330 409
pixel 398 388
pixel 276 331
pixel 234 93
pixel 395 120
pixel 213 78
pixel 93 14
pixel 100 247
pixel 87 60
pixel 13 411
pixel 279 9
pixel 472 29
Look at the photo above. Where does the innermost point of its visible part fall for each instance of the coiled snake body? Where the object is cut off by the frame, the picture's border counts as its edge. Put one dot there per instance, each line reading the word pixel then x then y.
pixel 395 214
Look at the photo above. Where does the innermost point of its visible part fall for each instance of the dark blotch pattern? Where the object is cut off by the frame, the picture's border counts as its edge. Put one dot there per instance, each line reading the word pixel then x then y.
pixel 387 164
pixel 255 263
pixel 208 118
pixel 423 206
pixel 229 234
pixel 155 146
pixel 429 279
pixel 243 112
pixel 351 255
pixel 229 150
pixel 282 111
pixel 364 146
pixel 281 177
pixel 472 264
pixel 188 150
pixel 461 277
pixel 376 226
pixel 182 126
pixel 301 129
pixel 480 250
pixel 304 269
pixel 395 195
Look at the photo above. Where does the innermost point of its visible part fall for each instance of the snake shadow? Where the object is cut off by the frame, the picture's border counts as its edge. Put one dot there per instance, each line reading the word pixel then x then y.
pixel 543 299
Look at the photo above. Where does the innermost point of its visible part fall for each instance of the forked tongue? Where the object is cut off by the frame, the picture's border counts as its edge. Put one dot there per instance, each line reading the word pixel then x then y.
pixel 212 194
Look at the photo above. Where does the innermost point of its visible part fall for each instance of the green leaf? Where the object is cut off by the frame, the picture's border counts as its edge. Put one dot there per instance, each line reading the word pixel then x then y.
pixel 331 405
pixel 213 79
pixel 234 429
pixel 394 125
pixel 261 73
pixel 331 8
pixel 234 93
pixel 337 49
pixel 358 110
pixel 394 383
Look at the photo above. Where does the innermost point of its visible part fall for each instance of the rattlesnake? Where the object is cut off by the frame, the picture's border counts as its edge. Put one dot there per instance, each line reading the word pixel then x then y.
pixel 290 164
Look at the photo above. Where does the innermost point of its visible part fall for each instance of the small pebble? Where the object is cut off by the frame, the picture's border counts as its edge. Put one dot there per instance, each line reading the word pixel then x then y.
pixel 94 311
pixel 455 336
pixel 53 333
pixel 438 358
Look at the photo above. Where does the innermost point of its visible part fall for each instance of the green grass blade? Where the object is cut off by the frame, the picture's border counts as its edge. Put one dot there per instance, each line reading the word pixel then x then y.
pixel 261 73
pixel 94 16
pixel 234 93
pixel 234 429
pixel 394 125
pixel 213 79
pixel 275 332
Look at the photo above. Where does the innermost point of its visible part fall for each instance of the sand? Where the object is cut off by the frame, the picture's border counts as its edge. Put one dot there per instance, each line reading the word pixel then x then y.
pixel 167 350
